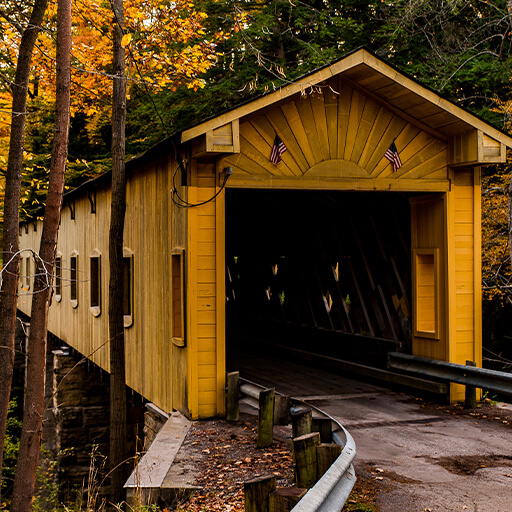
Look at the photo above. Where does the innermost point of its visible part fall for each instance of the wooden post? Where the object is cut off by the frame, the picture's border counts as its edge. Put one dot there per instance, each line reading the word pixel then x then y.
pixel 257 491
pixel 324 426
pixel 305 459
pixel 282 410
pixel 232 405
pixel 266 418
pixel 470 396
pixel 284 499
pixel 326 454
pixel 302 420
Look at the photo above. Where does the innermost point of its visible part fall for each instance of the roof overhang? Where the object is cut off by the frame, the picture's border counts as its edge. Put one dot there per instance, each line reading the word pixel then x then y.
pixel 400 93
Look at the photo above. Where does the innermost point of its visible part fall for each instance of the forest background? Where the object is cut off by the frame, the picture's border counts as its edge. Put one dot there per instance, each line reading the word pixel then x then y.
pixel 188 60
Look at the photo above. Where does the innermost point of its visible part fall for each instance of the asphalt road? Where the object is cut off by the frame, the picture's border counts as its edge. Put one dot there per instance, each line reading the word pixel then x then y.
pixel 422 458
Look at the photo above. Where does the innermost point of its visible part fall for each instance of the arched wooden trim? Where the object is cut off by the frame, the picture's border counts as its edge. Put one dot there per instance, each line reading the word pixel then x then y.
pixel 338 168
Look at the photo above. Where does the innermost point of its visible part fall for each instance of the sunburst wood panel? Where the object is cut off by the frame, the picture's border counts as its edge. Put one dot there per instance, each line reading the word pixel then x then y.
pixel 339 124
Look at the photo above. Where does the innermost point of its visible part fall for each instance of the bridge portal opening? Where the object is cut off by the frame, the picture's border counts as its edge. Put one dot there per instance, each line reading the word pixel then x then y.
pixel 321 271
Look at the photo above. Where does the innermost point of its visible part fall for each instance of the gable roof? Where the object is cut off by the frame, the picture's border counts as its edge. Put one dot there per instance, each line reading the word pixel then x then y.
pixel 378 79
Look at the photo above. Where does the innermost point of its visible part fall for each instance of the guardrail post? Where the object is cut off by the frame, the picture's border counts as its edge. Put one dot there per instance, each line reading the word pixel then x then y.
pixel 266 418
pixel 283 499
pixel 282 410
pixel 470 395
pixel 257 491
pixel 326 454
pixel 305 459
pixel 232 401
pixel 302 419
pixel 324 426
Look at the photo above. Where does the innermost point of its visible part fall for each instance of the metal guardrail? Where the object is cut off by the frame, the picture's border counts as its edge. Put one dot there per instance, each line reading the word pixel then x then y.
pixel 331 491
pixel 500 382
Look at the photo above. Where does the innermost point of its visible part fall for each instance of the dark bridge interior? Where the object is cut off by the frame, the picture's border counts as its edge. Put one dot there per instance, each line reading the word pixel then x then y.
pixel 326 272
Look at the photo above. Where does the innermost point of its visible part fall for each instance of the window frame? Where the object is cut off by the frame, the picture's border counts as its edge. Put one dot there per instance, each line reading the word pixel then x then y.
pixel 95 283
pixel 58 277
pixel 128 258
pixel 426 277
pixel 73 279
pixel 177 265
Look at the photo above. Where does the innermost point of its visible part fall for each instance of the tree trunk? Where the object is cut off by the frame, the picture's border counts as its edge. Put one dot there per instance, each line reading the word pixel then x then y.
pixel 115 308
pixel 33 410
pixel 509 202
pixel 9 278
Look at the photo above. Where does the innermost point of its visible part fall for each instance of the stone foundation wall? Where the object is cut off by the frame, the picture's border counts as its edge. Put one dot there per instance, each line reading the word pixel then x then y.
pixel 76 431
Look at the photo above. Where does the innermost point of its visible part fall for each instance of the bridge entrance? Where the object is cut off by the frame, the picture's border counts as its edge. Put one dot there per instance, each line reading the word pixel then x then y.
pixel 323 271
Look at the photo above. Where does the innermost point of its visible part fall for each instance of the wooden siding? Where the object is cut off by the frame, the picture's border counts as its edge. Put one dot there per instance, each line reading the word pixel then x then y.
pixel 465 311
pixel 451 224
pixel 336 139
pixel 155 367
pixel 206 351
pixel 428 236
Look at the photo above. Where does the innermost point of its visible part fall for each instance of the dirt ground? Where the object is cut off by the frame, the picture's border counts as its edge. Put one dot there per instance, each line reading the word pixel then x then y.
pixel 226 456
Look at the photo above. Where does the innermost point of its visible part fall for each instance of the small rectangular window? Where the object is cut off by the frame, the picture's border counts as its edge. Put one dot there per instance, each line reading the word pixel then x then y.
pixel 426 293
pixel 73 265
pixel 27 274
pixel 95 282
pixel 58 278
pixel 177 299
pixel 127 287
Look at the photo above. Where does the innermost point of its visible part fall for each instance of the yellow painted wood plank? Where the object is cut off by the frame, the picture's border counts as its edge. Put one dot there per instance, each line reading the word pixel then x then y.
pixel 319 115
pixel 344 103
pixel 463 181
pixel 220 339
pixel 465 336
pixel 464 228
pixel 192 316
pixel 434 167
pixel 396 125
pixel 380 124
pixel 428 158
pixel 206 276
pixel 207 384
pixel 207 343
pixel 322 183
pixel 308 121
pixel 331 114
pixel 366 124
pixel 356 112
pixel 465 324
pixel 206 317
pixel 304 155
pixel 464 205
pixel 477 269
pixel 208 371
pixel 207 261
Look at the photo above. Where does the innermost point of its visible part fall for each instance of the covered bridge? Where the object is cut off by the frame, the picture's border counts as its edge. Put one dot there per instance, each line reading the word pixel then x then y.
pixel 224 245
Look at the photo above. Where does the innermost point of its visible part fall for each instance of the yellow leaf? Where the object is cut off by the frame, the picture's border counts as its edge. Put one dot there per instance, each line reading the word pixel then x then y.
pixel 126 40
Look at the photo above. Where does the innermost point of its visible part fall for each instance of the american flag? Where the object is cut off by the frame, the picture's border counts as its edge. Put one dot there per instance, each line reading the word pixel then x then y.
pixel 277 150
pixel 392 155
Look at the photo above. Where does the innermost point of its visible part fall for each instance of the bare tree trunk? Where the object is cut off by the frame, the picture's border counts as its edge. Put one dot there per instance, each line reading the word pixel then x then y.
pixel 9 278
pixel 509 202
pixel 33 410
pixel 115 308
